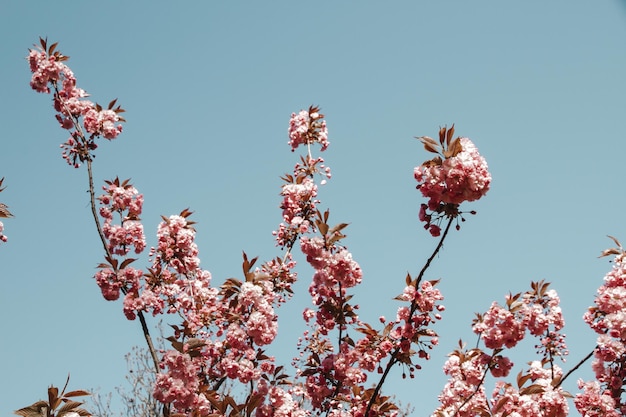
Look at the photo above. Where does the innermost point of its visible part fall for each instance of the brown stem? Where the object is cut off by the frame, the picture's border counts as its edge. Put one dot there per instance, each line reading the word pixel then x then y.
pixel 435 252
pixel 578 365
pixel 394 354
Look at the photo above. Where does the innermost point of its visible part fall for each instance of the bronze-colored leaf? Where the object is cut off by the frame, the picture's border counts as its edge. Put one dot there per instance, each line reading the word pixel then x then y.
pixel 431 148
pixel 37 409
pixel 69 406
pixel 338 227
pixel 323 228
pixel 442 135
pixel 532 389
pixel 82 412
pixel 450 134
pixel 611 237
pixel 453 149
pixel 427 139
pixel 612 251
pixel 432 162
pixel 127 262
pixel 77 393
pixel 4 211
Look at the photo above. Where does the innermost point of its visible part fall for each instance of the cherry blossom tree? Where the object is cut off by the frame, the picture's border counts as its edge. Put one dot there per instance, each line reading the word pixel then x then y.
pixel 217 363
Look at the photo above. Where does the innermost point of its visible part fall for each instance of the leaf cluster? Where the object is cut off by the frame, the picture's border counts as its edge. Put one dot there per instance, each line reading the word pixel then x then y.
pixel 62 401
pixel 447 147
pixel 51 51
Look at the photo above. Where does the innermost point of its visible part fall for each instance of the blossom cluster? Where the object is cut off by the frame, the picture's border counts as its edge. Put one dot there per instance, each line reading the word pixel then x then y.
pixel 536 312
pixel 539 395
pixel 457 174
pixel 607 318
pixel 307 127
pixel 49 70
pixel 123 199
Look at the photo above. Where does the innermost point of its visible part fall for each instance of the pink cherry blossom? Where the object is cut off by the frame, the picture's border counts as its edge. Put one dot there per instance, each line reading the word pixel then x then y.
pixel 458 178
pixel 50 74
pixel 607 318
pixel 457 174
pixel 594 401
pixel 500 328
pixel 178 384
pixel 307 127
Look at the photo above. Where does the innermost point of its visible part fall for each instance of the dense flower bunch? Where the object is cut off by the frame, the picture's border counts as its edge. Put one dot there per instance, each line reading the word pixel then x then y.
pixel 536 312
pixel 607 318
pixel 120 198
pixel 49 70
pixel 308 127
pixel 458 173
pixel 123 199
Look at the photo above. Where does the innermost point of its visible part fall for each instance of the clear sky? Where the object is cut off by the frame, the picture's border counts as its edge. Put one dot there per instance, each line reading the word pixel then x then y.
pixel 209 86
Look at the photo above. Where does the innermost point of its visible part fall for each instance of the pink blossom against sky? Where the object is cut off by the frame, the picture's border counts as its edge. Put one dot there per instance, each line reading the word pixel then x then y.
pixel 209 89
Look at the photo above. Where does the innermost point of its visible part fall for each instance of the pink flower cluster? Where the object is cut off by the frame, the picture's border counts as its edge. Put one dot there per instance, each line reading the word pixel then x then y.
pixel 608 318
pixel 299 200
pixel 335 273
pixel 280 402
pixel 536 311
pixel 464 394
pixel 175 282
pixel 307 127
pixel 179 384
pixel 595 401
pixel 123 199
pixel 461 175
pixel 413 321
pixel 49 70
pixel 539 398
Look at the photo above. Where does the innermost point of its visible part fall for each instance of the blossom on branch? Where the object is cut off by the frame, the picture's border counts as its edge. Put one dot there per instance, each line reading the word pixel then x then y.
pixel 307 127
pixel 457 174
pixel 608 320
pixel 51 74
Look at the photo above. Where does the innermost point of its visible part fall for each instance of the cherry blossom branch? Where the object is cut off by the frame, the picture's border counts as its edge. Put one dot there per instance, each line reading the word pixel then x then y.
pixel 394 355
pixel 578 365
pixel 103 240
pixel 48 68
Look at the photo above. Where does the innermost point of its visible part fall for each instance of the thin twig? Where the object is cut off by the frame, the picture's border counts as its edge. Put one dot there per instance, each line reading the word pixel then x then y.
pixel 578 365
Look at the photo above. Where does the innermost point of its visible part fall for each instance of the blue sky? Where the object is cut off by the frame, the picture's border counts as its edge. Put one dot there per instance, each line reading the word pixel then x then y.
pixel 209 87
